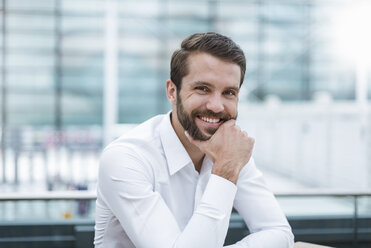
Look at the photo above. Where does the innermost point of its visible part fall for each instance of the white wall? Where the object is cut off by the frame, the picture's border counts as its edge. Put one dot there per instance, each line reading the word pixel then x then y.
pixel 326 145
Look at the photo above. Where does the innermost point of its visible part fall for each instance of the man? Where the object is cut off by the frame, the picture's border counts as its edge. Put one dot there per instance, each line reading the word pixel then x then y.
pixel 173 180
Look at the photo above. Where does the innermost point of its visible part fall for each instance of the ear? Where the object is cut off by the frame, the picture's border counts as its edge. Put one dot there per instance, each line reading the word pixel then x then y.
pixel 171 91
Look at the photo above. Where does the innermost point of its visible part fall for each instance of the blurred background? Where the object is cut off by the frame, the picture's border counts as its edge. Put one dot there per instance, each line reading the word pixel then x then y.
pixel 75 74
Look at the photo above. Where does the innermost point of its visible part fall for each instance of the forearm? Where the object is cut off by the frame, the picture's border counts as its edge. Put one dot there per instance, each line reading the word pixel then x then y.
pixel 227 170
pixel 209 224
pixel 272 238
pixel 261 212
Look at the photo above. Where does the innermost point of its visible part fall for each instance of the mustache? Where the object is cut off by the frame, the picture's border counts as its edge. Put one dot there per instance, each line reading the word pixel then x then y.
pixel 221 115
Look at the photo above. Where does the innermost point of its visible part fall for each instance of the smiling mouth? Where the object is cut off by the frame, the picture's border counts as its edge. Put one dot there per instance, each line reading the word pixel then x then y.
pixel 210 119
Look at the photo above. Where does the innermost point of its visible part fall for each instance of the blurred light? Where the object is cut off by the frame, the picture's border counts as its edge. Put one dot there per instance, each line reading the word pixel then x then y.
pixel 351 33
pixel 322 98
pixel 272 101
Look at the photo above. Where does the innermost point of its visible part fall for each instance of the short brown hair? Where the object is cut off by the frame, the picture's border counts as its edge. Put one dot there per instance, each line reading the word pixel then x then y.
pixel 212 43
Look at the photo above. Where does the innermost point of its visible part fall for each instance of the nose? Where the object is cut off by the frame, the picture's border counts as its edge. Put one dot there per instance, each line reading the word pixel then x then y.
pixel 215 103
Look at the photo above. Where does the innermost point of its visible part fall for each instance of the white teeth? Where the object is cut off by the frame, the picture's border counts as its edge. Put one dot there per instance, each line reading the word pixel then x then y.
pixel 210 120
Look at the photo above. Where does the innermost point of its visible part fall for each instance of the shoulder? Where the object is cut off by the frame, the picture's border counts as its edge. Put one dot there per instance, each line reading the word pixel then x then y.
pixel 139 139
pixel 138 148
pixel 144 133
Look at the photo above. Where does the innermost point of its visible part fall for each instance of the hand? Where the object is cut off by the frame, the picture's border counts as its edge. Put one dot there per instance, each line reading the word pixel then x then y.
pixel 229 148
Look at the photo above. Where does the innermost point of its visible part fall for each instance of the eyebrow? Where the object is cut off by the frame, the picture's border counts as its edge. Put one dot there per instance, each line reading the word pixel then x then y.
pixel 202 83
pixel 212 86
pixel 237 89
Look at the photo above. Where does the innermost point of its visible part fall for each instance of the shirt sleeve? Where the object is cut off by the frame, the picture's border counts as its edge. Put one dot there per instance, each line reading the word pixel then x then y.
pixel 263 216
pixel 126 186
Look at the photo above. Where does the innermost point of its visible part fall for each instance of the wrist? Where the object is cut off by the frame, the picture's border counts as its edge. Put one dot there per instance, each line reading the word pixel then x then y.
pixel 226 170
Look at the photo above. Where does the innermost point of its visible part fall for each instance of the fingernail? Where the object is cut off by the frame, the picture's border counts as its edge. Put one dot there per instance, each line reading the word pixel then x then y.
pixel 186 134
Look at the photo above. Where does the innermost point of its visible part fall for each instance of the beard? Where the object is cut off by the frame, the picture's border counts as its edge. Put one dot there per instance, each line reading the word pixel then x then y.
pixel 188 120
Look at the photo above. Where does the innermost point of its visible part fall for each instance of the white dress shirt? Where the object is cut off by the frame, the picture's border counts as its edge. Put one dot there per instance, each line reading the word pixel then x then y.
pixel 151 196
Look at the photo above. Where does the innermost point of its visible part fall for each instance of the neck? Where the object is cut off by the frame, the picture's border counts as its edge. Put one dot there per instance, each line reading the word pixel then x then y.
pixel 193 151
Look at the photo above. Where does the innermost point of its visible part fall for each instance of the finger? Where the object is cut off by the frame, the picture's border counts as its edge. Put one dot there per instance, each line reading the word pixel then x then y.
pixel 245 133
pixel 251 141
pixel 229 123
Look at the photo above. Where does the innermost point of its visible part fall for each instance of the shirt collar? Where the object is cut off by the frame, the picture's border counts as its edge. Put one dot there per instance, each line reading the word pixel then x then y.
pixel 176 155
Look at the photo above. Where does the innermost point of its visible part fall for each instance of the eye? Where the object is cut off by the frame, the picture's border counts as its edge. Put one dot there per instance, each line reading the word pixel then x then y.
pixel 202 89
pixel 230 93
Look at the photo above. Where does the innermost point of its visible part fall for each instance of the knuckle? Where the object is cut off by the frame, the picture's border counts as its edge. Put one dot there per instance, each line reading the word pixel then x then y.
pixel 236 128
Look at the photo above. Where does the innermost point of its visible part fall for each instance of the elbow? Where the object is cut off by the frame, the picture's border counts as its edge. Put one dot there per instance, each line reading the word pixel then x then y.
pixel 289 237
pixel 282 238
pixel 286 236
pixel 291 240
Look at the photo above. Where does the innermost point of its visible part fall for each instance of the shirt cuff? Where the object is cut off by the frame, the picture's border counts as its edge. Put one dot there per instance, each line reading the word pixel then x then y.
pixel 218 197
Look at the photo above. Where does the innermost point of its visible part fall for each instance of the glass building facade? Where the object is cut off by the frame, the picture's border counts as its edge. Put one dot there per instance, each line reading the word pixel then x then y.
pixel 53 58
pixel 52 66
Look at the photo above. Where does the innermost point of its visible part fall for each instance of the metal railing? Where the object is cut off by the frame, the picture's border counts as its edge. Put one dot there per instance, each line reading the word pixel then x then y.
pixel 91 195
pixel 333 193
pixel 48 195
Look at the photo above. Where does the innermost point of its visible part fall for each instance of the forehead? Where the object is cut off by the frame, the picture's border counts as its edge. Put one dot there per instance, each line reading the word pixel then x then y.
pixel 208 68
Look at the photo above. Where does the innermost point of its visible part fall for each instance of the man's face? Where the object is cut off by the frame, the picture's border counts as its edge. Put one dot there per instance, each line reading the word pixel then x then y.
pixel 208 96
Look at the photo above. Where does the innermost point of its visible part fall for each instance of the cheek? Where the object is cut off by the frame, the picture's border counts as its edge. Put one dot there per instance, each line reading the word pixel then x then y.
pixel 231 107
pixel 195 101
